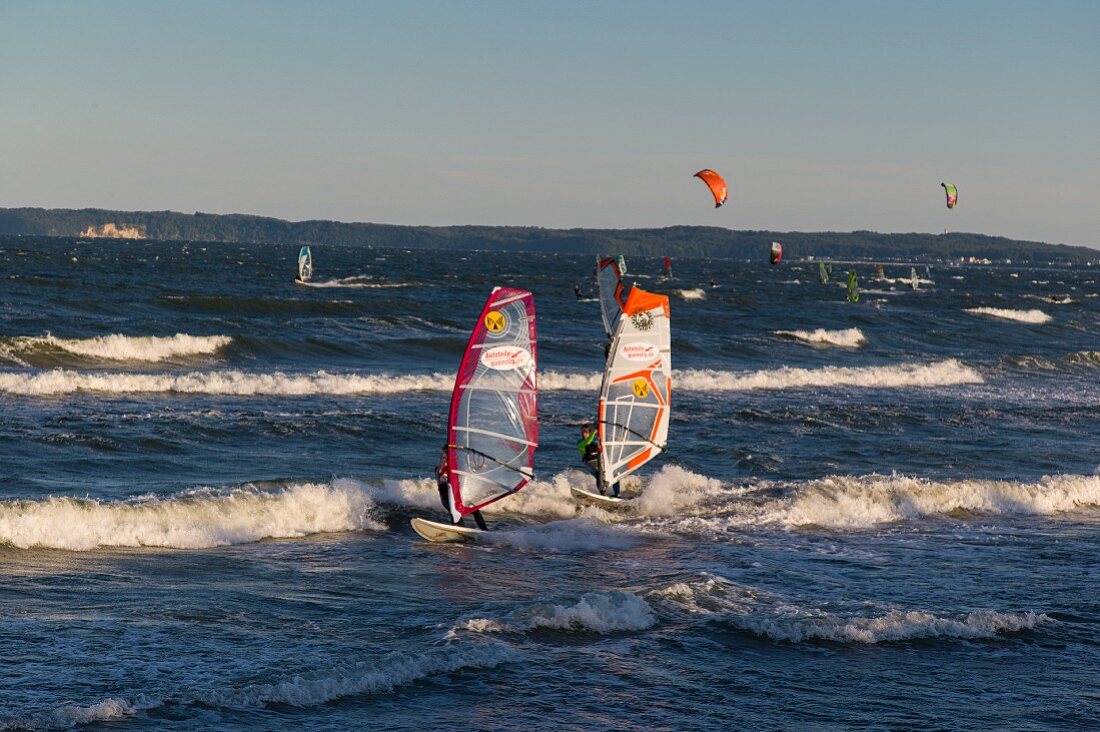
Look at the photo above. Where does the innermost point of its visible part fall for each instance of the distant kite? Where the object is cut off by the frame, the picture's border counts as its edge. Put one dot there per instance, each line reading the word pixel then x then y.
pixel 715 183
pixel 952 194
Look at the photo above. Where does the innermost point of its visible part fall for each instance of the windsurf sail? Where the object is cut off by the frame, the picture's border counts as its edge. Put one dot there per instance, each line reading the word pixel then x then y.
pixel 493 429
pixel 609 278
pixel 668 267
pixel 622 265
pixel 637 386
pixel 913 280
pixel 853 287
pixel 952 194
pixel 715 183
pixel 823 272
pixel 305 264
pixel 777 252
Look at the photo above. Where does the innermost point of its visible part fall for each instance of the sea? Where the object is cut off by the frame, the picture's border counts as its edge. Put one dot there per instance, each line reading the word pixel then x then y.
pixel 881 515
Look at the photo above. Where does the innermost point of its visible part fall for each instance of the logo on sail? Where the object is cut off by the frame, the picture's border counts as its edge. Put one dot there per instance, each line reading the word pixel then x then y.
pixel 506 358
pixel 640 351
pixel 642 321
pixel 641 388
pixel 496 322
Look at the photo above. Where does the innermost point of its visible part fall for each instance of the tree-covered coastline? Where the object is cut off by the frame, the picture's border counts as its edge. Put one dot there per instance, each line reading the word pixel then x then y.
pixel 679 241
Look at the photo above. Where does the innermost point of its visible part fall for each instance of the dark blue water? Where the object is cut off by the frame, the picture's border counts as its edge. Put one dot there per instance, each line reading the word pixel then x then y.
pixel 878 515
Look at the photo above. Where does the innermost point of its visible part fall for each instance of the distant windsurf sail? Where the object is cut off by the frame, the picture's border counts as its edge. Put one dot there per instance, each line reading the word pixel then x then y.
pixel 305 264
pixel 622 265
pixel 823 273
pixel 913 280
pixel 777 252
pixel 668 267
pixel 880 273
pixel 715 183
pixel 493 429
pixel 637 386
pixel 853 287
pixel 609 278
pixel 952 194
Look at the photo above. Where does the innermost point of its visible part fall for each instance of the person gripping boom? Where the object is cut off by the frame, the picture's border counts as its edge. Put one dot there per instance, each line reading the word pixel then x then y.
pixel 589 448
pixel 447 496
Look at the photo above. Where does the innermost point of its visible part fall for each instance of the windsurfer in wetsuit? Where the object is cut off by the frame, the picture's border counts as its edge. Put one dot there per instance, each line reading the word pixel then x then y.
pixel 446 496
pixel 589 448
pixel 577 291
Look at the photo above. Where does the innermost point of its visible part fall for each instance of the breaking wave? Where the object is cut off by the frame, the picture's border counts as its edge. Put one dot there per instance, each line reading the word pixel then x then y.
pixel 594 612
pixel 356 282
pixel 795 626
pixel 697 293
pixel 766 614
pixel 1021 316
pixel 241 383
pixel 192 520
pixel 847 338
pixel 32 350
pixel 862 502
pixel 939 373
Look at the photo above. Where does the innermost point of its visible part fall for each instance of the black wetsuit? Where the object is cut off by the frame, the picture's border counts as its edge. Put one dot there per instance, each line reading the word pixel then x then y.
pixel 444 486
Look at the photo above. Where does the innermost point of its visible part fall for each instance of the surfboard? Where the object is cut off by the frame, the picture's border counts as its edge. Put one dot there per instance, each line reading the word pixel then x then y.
pixel 433 531
pixel 597 499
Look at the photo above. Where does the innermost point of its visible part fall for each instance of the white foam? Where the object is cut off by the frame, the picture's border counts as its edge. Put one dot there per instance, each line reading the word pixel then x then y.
pixel 117 347
pixel 241 383
pixel 192 520
pixel 939 373
pixel 1021 316
pixel 595 612
pixel 694 294
pixel 70 716
pixel 767 614
pixel 844 502
pixel 673 490
pixel 356 283
pixel 847 338
pixel 796 625
pixel 231 382
pixel 342 680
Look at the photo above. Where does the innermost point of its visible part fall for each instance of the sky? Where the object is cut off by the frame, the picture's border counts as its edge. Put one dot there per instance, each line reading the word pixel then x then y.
pixel 822 116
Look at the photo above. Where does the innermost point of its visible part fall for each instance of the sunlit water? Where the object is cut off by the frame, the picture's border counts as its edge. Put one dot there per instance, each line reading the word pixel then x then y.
pixel 874 515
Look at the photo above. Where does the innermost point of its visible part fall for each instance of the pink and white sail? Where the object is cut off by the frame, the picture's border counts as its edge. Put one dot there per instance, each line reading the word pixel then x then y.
pixel 493 428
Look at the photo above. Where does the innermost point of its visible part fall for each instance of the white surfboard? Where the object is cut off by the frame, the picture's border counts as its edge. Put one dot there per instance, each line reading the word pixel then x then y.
pixel 433 531
pixel 597 499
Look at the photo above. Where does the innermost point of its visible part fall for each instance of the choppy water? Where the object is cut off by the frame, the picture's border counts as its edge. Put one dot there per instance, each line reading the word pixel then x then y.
pixel 881 515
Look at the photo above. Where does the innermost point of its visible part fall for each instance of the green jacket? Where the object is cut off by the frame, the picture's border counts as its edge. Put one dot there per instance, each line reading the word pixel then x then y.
pixel 586 446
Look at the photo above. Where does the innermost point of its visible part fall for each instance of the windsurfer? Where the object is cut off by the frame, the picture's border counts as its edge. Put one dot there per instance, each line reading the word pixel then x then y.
pixel 446 495
pixel 577 291
pixel 589 448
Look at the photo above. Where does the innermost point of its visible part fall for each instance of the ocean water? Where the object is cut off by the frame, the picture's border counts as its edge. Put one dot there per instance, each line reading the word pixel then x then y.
pixel 883 515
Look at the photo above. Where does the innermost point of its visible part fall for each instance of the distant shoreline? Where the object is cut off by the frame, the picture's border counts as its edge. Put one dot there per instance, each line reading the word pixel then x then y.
pixel 674 241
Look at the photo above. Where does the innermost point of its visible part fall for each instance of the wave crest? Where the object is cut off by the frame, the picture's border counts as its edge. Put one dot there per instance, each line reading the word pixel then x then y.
pixel 1020 316
pixel 194 520
pixel 595 612
pixel 847 338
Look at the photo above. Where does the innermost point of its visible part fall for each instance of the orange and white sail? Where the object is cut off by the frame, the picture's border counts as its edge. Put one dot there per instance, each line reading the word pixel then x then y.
pixel 637 387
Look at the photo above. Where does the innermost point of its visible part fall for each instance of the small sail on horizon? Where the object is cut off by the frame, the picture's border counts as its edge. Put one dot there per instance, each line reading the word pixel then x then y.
pixel 823 273
pixel 776 253
pixel 635 394
pixel 668 268
pixel 493 426
pixel 305 264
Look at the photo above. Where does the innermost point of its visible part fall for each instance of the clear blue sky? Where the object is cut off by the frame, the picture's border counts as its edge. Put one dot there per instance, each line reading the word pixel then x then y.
pixel 835 115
